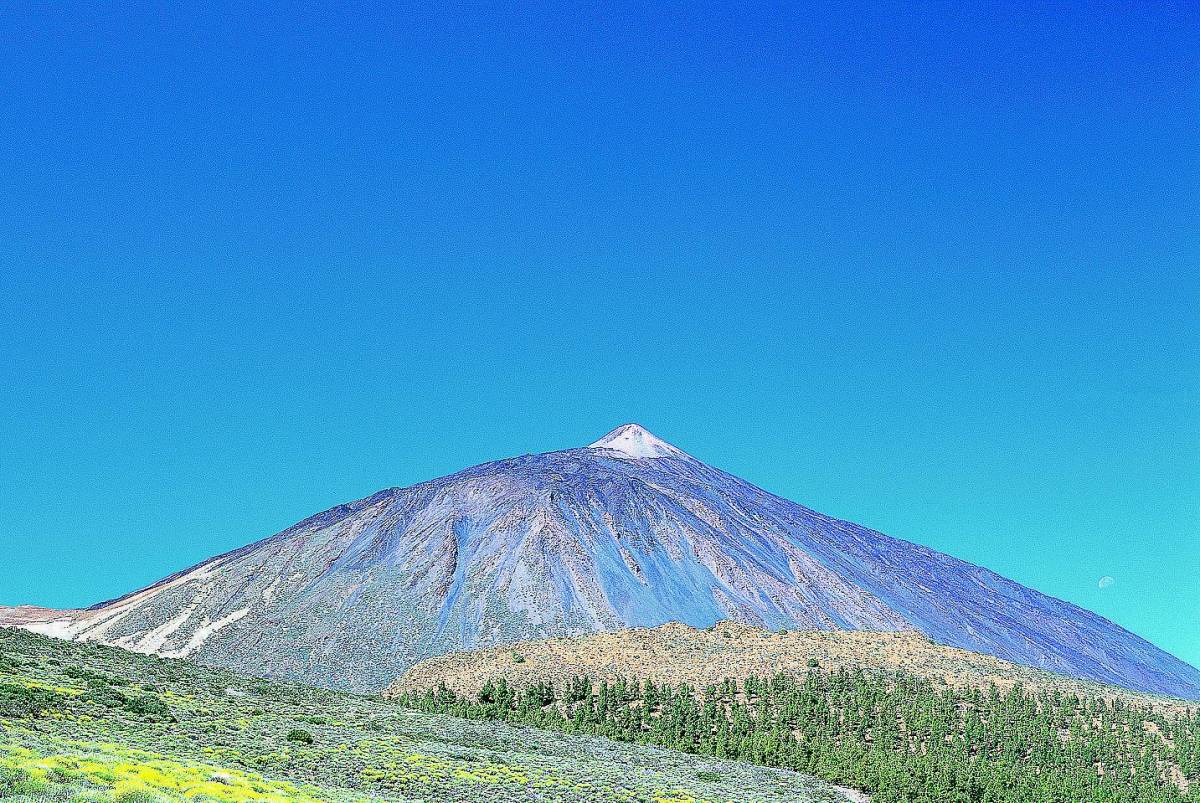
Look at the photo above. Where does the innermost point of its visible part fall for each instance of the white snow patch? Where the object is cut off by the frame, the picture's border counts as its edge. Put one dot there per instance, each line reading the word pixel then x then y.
pixel 268 593
pixel 204 572
pixel 58 628
pixel 94 630
pixel 153 640
pixel 202 634
pixel 632 440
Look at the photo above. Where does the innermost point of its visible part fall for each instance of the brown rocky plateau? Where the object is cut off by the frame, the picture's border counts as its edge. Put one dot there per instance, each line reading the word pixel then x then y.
pixel 676 653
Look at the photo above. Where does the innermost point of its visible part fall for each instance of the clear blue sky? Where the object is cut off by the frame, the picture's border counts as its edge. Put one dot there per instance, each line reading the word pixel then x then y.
pixel 933 270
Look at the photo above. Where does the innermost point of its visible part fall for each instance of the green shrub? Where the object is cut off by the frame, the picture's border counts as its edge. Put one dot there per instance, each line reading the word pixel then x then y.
pixel 20 702
pixel 104 695
pixel 518 658
pixel 708 776
pixel 15 782
pixel 137 796
pixel 94 678
pixel 813 663
pixel 150 708
pixel 303 737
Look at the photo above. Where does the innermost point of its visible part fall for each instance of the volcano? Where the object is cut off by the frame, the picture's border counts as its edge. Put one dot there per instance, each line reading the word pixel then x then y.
pixel 629 531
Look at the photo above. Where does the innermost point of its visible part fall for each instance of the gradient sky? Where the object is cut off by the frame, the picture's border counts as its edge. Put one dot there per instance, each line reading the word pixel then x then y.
pixel 931 269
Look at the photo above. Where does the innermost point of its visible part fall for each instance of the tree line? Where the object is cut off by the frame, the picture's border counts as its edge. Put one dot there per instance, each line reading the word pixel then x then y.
pixel 901 738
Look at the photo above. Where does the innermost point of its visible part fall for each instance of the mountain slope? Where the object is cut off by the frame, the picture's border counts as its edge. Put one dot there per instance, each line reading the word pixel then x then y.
pixel 627 532
pixel 92 724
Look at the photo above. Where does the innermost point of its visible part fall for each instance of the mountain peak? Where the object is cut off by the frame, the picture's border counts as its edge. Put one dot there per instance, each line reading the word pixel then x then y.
pixel 630 533
pixel 634 440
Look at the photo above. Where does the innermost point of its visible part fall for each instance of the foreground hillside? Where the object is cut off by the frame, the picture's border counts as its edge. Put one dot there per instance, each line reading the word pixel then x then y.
pixel 87 722
pixel 676 653
pixel 627 532
pixel 921 724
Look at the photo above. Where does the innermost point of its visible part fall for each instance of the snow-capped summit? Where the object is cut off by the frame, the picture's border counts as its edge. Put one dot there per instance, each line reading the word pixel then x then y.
pixel 634 440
